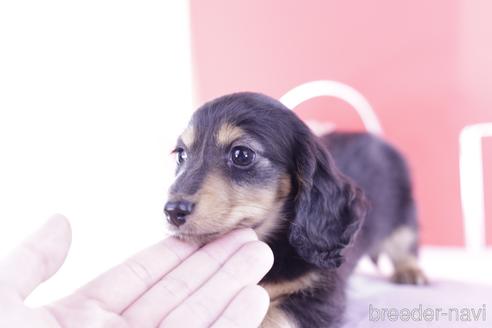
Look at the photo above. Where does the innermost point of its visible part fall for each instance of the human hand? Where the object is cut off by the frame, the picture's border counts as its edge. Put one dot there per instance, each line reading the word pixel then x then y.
pixel 171 284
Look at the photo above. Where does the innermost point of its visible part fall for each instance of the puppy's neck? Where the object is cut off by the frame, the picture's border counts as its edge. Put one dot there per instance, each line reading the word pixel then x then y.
pixel 288 265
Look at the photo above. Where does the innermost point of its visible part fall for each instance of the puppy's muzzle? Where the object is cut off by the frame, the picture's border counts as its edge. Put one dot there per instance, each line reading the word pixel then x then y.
pixel 177 211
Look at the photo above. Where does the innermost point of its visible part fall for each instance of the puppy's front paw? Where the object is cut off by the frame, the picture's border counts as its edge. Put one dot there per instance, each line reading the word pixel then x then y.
pixel 409 275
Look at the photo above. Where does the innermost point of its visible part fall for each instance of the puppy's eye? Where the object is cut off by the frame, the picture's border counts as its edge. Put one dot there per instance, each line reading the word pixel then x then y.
pixel 181 156
pixel 242 156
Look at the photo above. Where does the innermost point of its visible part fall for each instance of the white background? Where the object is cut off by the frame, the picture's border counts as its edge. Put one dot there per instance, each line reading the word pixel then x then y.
pixel 92 97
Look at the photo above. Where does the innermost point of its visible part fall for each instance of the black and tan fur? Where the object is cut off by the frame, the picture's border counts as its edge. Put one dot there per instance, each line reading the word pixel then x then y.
pixel 320 203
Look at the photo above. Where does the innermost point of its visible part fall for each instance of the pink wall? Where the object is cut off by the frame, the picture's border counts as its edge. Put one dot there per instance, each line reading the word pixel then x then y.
pixel 424 66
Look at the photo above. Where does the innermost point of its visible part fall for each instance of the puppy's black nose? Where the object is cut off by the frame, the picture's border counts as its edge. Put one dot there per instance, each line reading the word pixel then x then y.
pixel 177 211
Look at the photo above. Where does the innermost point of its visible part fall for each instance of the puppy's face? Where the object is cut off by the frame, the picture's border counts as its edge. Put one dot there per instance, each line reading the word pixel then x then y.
pixel 245 160
pixel 227 177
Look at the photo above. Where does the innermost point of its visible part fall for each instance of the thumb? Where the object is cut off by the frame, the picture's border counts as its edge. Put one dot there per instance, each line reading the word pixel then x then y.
pixel 38 257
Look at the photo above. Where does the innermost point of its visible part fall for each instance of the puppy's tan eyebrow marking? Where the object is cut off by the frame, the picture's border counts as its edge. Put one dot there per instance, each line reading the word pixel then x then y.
pixel 188 136
pixel 227 133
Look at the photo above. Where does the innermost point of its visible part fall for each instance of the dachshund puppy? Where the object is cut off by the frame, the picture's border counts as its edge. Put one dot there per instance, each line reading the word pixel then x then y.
pixel 245 160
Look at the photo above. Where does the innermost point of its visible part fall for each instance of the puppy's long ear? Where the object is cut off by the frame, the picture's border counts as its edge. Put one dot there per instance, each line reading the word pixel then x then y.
pixel 329 208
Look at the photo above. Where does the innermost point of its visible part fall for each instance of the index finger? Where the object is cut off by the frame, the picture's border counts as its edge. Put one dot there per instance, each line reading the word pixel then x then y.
pixel 117 288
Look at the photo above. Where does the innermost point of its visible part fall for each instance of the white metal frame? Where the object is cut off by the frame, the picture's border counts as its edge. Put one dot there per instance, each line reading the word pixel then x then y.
pixel 471 184
pixel 336 89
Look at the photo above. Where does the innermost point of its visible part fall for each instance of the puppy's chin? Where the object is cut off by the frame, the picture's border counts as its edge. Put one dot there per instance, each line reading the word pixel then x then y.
pixel 194 235
pixel 203 237
pixel 198 238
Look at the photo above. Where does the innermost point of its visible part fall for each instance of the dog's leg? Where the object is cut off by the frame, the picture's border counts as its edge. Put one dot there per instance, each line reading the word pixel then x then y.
pixel 402 247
